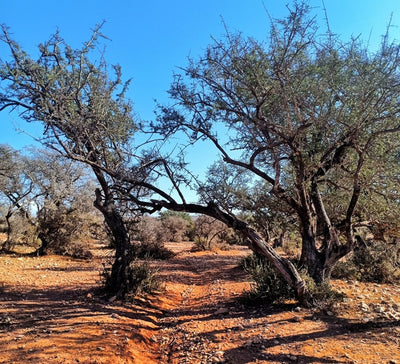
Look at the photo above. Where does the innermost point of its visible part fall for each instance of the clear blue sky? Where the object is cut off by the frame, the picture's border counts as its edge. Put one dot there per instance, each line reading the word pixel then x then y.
pixel 150 38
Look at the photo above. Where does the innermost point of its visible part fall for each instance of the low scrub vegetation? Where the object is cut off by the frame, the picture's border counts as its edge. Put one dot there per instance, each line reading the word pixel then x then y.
pixel 377 261
pixel 269 287
pixel 141 278
pixel 151 250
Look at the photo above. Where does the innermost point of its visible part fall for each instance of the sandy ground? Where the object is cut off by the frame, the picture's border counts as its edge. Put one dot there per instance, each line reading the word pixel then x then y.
pixel 49 313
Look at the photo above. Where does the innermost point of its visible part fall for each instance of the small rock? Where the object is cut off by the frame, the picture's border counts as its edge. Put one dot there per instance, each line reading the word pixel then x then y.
pixel 114 315
pixel 297 309
pixel 379 309
pixel 99 348
pixel 364 307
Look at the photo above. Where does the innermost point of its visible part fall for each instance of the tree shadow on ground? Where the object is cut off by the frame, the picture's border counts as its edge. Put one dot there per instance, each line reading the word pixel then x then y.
pixel 336 327
pixel 69 316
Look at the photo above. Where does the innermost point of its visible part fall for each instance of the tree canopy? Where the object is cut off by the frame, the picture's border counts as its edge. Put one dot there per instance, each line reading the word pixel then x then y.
pixel 312 118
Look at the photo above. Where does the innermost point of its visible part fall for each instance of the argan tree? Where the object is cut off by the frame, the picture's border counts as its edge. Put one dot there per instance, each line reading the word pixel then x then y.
pixel 313 119
pixel 84 115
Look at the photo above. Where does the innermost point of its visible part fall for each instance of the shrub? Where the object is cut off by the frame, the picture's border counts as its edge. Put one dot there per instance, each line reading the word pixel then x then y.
pixel 268 286
pixel 292 249
pixel 202 244
pixel 176 228
pixel 321 296
pixel 210 234
pixel 150 235
pixel 63 232
pixel 346 269
pixel 149 230
pixel 151 250
pixel 141 277
pixel 378 262
pixel 78 250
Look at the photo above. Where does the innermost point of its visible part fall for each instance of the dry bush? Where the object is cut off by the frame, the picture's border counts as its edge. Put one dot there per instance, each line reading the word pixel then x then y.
pixel 150 235
pixel 378 261
pixel 211 234
pixel 65 232
pixel 176 228
pixel 149 230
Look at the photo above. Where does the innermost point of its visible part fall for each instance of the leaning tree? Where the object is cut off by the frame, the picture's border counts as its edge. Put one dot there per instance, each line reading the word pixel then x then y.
pixel 85 117
pixel 313 119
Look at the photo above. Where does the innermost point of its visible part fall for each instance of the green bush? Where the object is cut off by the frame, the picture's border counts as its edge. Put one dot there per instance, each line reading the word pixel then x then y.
pixel 141 277
pixel 346 269
pixel 321 296
pixel 378 262
pixel 268 286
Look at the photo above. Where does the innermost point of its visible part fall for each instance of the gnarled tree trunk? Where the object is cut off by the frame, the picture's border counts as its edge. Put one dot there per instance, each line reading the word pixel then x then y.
pixel 118 280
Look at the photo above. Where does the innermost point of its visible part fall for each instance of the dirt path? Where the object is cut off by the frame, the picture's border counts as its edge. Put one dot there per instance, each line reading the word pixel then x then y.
pixel 49 314
pixel 204 288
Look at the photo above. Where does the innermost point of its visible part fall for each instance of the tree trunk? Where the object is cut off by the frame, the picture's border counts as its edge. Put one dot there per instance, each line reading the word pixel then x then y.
pixel 7 244
pixel 320 262
pixel 282 265
pixel 118 281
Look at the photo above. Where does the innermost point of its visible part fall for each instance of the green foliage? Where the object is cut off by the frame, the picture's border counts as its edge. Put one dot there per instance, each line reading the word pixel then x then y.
pixel 63 231
pixel 346 269
pixel 378 262
pixel 201 244
pixel 322 295
pixel 143 278
pixel 291 247
pixel 268 286
pixel 311 119
pixel 140 278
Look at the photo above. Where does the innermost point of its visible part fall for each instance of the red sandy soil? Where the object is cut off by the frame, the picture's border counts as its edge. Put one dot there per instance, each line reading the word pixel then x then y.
pixel 49 313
